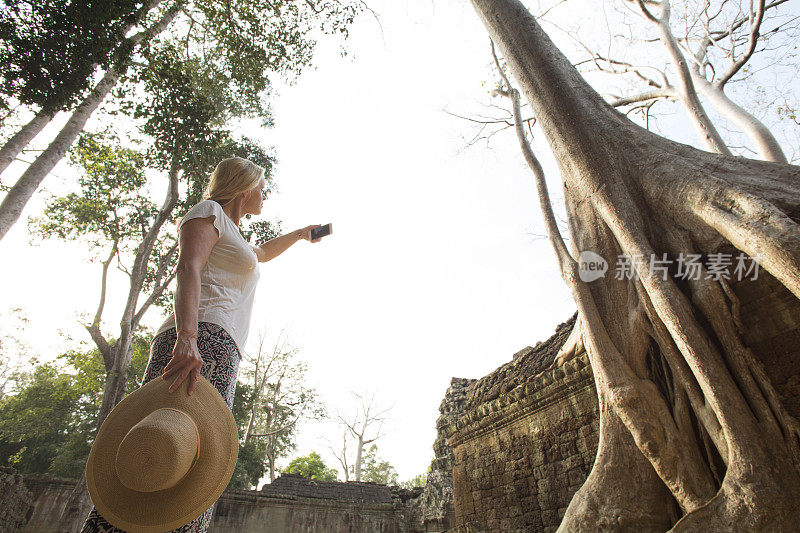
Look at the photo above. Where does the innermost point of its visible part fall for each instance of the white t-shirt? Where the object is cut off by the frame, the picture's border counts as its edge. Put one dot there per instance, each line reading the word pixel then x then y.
pixel 229 278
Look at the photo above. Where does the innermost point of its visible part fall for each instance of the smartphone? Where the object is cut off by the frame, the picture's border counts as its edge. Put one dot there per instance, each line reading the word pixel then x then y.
pixel 322 231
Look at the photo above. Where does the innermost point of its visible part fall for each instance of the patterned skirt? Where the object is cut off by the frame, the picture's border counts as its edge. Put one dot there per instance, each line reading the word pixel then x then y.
pixel 220 367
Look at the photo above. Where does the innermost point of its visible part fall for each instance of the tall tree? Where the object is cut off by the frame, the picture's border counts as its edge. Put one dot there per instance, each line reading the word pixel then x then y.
pixel 711 444
pixel 239 43
pixel 363 425
pixel 250 464
pixel 281 399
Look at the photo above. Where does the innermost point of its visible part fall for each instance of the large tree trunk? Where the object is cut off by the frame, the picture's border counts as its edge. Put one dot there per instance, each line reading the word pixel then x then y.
pixel 22 191
pixel 12 148
pixel 79 503
pixel 117 357
pixel 680 392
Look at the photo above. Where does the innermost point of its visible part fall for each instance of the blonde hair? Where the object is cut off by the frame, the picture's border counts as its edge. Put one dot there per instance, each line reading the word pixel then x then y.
pixel 232 177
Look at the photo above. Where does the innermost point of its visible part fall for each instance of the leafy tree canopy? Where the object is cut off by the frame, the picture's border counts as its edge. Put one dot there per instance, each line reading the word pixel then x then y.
pixel 312 467
pixel 377 470
pixel 50 48
pixel 48 426
pixel 110 204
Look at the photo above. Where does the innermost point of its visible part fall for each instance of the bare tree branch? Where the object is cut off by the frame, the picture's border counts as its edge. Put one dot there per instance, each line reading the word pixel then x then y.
pixel 341 455
pixel 160 284
pixel 755 27
pixel 94 327
pixel 367 415
pixel 703 126
pixel 667 92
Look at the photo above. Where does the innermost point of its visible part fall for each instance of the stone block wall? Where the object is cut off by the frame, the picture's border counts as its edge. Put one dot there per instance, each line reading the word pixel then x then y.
pixel 291 504
pixel 239 511
pixel 521 457
pixel 48 497
pixel 15 498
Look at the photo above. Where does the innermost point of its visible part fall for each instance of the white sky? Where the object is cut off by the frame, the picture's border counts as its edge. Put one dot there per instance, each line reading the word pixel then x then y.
pixel 433 270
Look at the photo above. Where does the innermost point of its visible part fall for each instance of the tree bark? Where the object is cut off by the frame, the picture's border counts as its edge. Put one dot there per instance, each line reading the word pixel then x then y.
pixel 271 462
pixel 272 449
pixel 674 378
pixel 22 191
pixel 12 148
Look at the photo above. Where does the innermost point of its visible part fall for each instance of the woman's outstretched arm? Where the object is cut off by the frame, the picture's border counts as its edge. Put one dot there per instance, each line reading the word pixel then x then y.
pixel 275 247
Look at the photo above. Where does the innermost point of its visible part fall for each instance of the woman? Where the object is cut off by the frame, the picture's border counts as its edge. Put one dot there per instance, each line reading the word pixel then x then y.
pixel 217 274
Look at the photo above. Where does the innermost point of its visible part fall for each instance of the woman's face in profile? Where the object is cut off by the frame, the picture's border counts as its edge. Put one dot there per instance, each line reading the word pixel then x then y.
pixel 254 199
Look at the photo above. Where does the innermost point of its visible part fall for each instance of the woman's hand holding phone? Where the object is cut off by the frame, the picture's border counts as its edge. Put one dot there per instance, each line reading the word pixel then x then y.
pixel 307 233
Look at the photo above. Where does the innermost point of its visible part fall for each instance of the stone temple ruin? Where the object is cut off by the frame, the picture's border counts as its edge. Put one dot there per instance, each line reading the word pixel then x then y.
pixel 525 437
pixel 512 448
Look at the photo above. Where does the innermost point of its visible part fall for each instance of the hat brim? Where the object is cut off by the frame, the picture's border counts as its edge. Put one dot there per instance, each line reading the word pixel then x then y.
pixel 164 510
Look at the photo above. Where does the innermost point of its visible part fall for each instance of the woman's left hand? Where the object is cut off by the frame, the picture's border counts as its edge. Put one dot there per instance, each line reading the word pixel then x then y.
pixel 185 363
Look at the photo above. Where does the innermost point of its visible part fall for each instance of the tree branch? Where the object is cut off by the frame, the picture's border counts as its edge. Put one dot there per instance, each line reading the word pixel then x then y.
pixel 276 431
pixel 159 287
pixel 157 27
pixel 667 92
pixel 703 125
pixel 94 327
pixel 647 12
pixel 144 250
pixel 755 27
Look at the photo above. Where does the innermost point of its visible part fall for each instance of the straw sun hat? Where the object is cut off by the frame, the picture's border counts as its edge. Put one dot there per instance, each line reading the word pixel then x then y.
pixel 161 459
